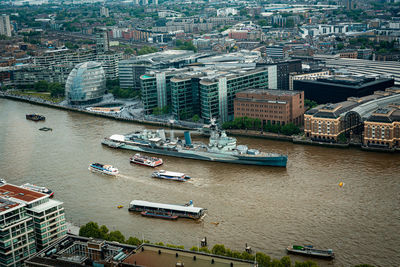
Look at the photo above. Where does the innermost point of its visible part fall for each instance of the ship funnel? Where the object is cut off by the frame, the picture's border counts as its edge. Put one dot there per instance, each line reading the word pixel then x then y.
pixel 161 134
pixel 188 139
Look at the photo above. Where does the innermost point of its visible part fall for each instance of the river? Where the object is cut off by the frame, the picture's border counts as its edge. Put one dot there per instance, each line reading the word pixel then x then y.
pixel 268 208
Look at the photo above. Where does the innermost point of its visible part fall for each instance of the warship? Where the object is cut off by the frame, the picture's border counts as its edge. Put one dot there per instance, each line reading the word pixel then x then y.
pixel 221 148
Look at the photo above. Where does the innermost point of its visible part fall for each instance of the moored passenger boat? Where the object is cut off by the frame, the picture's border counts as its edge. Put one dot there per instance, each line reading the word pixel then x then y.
pixel 40 189
pixel 166 210
pixel 310 251
pixel 35 117
pixel 104 169
pixel 176 176
pixel 146 161
pixel 159 215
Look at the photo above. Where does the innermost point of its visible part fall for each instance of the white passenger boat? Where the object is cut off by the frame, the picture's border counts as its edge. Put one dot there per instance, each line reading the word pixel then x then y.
pixel 104 169
pixel 176 176
pixel 146 161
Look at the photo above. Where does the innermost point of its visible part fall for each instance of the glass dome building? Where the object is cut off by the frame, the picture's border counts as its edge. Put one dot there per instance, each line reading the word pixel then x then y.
pixel 86 84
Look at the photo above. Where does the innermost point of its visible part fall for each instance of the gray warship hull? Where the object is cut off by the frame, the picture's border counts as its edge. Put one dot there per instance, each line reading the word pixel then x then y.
pixel 269 160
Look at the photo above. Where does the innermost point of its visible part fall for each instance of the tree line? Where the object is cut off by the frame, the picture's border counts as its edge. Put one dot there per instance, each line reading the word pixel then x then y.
pixel 246 123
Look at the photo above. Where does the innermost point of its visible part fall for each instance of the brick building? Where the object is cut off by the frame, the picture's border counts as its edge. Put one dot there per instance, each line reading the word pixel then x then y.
pixel 270 106
pixel 382 128
pixel 377 116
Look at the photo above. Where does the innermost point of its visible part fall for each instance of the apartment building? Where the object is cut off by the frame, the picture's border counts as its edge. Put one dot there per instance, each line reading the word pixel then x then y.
pixel 17 236
pixel 5 26
pixel 47 215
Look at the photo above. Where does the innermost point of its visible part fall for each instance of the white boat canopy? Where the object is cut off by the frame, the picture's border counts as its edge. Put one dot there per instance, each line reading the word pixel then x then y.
pixel 117 137
pixel 143 203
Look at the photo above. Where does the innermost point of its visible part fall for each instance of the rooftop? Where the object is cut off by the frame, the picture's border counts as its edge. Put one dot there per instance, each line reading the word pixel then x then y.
pixel 271 92
pixel 47 205
pixel 6 204
pixel 16 193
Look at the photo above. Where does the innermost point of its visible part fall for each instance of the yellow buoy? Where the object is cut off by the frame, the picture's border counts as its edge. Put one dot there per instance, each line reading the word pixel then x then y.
pixel 120 206
pixel 341 184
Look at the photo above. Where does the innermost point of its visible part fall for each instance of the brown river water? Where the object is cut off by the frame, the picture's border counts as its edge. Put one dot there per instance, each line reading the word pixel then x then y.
pixel 267 207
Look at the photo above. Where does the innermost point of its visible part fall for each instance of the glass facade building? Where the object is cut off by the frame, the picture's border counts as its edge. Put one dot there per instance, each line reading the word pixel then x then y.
pixel 86 84
pixel 206 92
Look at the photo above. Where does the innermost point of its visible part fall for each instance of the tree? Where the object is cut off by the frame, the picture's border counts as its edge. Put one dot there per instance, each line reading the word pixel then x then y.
pixel 41 86
pixel 103 231
pixel 263 260
pixel 218 250
pixel 195 118
pixel 56 90
pixel 285 261
pixel 116 236
pixel 91 229
pixel 147 50
pixel 257 124
pixel 134 241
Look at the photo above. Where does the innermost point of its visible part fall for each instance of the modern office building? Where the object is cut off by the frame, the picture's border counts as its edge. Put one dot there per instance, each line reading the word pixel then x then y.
pixel 374 114
pixel 217 90
pixel 206 91
pixel 5 26
pixel 389 69
pixel 185 95
pixel 271 106
pixel 283 70
pixel 311 75
pixel 30 222
pixel 86 84
pixel 131 69
pixel 338 88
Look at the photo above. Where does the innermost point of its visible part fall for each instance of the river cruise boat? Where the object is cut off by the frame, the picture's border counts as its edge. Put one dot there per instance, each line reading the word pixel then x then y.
pixel 104 169
pixel 166 210
pixel 146 161
pixel 311 251
pixel 175 176
pixel 36 188
pixel 35 117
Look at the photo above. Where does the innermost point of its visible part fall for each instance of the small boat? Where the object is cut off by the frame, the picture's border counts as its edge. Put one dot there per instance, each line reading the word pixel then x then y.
pixel 104 169
pixel 35 117
pixel 2 181
pixel 146 161
pixel 36 188
pixel 176 176
pixel 45 129
pixel 161 215
pixel 310 251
